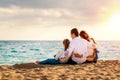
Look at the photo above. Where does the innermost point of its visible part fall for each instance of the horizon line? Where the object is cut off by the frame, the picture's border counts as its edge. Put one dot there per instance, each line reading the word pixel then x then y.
pixel 52 40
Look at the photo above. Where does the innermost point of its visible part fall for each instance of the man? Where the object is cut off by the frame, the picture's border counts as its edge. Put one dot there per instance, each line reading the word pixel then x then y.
pixel 77 46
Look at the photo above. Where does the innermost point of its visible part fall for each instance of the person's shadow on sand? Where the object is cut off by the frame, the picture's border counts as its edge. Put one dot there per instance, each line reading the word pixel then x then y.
pixel 34 65
pixel 28 65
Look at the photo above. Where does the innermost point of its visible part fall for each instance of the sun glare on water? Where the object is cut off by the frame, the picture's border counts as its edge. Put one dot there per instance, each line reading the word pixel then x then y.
pixel 114 22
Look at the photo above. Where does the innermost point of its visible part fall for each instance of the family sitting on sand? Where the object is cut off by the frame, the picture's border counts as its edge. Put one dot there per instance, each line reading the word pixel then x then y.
pixel 79 50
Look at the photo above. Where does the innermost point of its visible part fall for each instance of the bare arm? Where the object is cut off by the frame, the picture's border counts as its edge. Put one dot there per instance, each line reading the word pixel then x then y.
pixel 78 55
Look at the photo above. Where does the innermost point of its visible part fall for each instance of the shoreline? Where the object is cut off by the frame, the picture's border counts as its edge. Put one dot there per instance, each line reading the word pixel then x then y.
pixel 103 69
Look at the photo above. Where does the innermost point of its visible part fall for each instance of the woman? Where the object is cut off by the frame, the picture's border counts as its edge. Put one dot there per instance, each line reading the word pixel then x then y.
pixel 56 60
pixel 92 48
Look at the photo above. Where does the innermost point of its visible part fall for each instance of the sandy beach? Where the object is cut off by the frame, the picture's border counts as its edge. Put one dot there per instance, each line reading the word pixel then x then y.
pixel 102 70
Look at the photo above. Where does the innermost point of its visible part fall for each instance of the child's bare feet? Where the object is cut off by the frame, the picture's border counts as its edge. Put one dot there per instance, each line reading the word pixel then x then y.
pixel 38 62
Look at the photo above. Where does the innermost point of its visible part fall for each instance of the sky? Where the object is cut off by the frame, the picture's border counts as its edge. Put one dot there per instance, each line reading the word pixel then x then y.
pixel 53 19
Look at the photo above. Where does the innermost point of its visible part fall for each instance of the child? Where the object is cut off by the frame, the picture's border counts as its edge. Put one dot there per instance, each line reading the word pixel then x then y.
pixel 56 59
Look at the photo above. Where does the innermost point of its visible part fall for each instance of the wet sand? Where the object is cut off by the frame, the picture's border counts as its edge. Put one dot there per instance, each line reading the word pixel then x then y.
pixel 102 70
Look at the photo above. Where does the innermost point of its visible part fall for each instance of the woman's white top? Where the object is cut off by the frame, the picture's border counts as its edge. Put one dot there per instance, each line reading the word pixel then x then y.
pixel 91 46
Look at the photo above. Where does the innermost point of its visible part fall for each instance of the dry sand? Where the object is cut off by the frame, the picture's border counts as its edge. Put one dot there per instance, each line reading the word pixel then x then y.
pixel 102 70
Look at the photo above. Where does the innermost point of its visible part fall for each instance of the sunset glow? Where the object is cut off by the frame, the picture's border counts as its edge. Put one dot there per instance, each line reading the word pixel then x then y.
pixel 114 22
pixel 48 19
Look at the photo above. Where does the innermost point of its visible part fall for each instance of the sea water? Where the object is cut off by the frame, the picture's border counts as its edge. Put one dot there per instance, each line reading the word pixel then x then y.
pixel 16 52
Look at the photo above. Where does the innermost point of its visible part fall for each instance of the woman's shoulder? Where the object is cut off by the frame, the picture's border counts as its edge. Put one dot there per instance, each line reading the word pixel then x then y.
pixel 93 40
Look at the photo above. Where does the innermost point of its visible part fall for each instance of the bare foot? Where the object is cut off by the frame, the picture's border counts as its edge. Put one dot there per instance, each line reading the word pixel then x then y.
pixel 37 62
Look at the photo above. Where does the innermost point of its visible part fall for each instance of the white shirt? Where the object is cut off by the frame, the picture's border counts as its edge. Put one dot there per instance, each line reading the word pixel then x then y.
pixel 91 46
pixel 79 46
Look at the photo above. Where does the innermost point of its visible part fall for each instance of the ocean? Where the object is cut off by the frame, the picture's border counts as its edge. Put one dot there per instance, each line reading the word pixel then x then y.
pixel 17 52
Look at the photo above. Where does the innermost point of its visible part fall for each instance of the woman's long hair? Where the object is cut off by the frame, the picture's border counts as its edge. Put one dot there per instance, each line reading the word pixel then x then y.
pixel 66 43
pixel 84 35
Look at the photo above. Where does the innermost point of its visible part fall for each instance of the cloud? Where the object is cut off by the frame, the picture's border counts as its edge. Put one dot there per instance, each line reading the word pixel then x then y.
pixel 76 4
pixel 23 17
pixel 52 12
pixel 27 15
pixel 36 3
